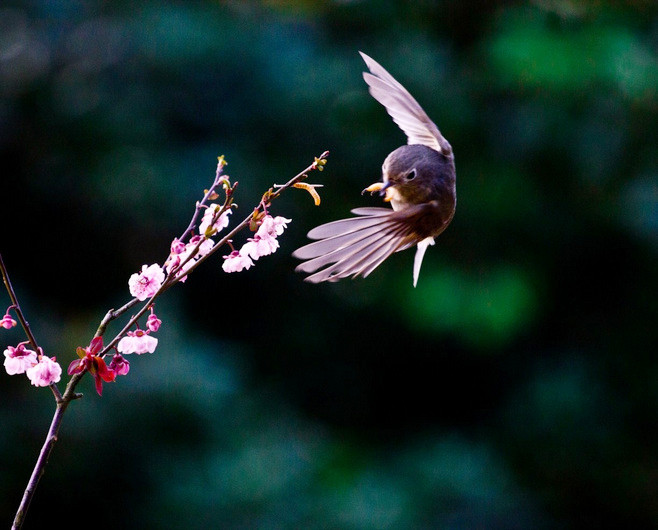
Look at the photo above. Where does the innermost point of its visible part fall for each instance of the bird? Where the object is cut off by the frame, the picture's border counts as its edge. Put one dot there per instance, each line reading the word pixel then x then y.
pixel 418 181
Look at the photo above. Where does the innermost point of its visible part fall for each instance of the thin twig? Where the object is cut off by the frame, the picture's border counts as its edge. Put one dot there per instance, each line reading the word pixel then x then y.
pixel 40 465
pixel 24 323
pixel 17 307
pixel 219 177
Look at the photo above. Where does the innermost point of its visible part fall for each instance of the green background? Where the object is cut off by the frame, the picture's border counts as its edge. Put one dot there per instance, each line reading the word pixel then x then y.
pixel 516 387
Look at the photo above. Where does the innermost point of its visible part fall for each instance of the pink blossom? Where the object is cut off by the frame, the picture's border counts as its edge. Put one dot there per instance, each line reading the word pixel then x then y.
pixel 176 257
pixel 180 253
pixel 173 261
pixel 45 372
pixel 177 246
pixel 259 246
pixel 272 226
pixel 176 261
pixel 19 359
pixel 236 261
pixel 153 323
pixel 138 341
pixel 265 242
pixel 220 223
pixel 7 322
pixel 119 365
pixel 145 284
pixel 205 247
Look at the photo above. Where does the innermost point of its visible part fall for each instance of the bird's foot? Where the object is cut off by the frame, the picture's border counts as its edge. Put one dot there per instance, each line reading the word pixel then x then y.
pixel 377 186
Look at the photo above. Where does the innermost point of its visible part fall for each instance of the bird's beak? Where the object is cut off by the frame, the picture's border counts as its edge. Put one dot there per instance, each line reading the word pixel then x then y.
pixel 385 187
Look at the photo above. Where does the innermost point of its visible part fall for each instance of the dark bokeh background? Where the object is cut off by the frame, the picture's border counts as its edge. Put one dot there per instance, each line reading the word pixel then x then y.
pixel 516 387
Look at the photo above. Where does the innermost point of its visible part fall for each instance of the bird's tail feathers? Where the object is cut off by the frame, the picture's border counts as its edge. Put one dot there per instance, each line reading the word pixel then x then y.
pixel 418 258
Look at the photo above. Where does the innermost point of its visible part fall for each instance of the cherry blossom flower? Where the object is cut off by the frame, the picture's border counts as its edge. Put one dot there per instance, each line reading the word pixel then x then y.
pixel 145 284
pixel 272 226
pixel 262 244
pixel 265 242
pixel 119 365
pixel 173 261
pixel 180 253
pixel 259 246
pixel 236 261
pixel 138 342
pixel 153 323
pixel 7 322
pixel 177 246
pixel 19 359
pixel 45 372
pixel 90 361
pixel 191 249
pixel 205 247
pixel 220 223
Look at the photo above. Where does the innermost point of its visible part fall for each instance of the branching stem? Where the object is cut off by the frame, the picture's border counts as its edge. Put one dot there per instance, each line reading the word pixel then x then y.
pixel 63 400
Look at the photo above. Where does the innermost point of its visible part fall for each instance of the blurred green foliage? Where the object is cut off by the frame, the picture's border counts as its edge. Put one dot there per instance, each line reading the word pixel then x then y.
pixel 516 387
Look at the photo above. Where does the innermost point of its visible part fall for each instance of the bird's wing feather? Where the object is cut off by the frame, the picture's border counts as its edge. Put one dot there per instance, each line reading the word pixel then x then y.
pixel 326 247
pixel 356 246
pixel 345 226
pixel 371 210
pixel 403 108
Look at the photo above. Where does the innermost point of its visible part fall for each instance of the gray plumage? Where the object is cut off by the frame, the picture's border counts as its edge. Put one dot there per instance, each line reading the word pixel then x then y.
pixel 418 181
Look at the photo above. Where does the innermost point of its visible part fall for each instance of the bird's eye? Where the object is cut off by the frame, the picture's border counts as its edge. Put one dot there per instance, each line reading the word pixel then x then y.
pixel 411 175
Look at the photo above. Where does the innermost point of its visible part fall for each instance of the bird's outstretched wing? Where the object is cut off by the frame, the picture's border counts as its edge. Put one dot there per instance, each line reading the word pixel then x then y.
pixel 356 246
pixel 403 108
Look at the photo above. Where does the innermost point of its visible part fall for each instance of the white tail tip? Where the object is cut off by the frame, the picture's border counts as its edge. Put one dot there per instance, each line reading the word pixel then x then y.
pixel 420 252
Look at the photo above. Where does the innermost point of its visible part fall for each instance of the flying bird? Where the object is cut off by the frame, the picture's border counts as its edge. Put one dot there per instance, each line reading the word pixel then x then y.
pixel 418 180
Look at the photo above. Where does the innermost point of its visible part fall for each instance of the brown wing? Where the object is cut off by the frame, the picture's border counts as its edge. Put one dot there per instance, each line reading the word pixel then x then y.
pixel 403 108
pixel 356 246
